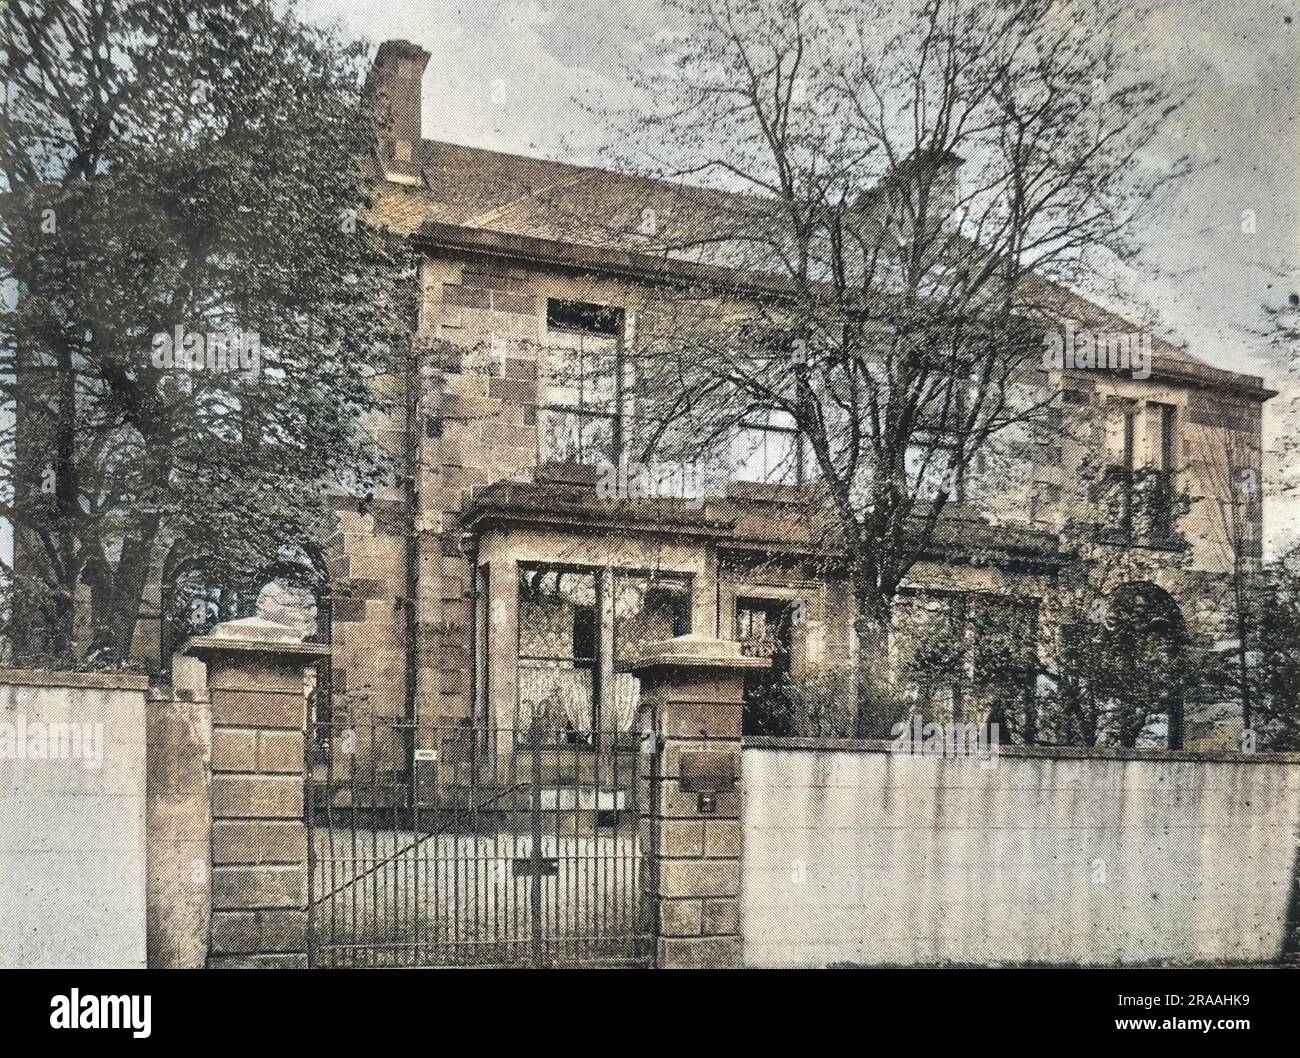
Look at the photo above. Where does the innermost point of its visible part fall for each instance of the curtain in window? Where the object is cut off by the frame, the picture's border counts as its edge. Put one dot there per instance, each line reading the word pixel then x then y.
pixel 558 650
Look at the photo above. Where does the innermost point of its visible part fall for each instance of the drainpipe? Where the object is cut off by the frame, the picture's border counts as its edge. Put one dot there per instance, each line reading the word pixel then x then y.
pixel 469 548
pixel 411 592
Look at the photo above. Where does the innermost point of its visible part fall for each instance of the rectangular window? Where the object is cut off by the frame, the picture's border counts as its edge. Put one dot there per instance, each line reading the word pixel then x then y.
pixel 1165 445
pixel 1160 491
pixel 764 629
pixel 582 317
pixel 928 653
pixel 559 655
pixel 1127 469
pixel 766 447
pixel 931 467
pixel 571 681
pixel 648 608
pixel 966 657
pixel 1004 664
pixel 583 383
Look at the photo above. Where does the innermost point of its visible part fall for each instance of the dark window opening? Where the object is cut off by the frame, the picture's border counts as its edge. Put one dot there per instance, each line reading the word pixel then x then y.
pixel 1161 489
pixel 583 317
pixel 764 629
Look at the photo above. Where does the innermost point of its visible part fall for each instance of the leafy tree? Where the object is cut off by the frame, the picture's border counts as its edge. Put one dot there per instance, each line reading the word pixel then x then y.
pixel 1262 682
pixel 192 170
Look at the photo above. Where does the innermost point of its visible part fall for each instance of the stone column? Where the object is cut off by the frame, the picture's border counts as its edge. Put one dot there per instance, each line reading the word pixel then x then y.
pixel 692 690
pixel 180 819
pixel 259 836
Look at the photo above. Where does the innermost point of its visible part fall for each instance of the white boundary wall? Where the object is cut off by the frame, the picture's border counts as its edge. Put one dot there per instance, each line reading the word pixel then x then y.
pixel 855 855
pixel 72 838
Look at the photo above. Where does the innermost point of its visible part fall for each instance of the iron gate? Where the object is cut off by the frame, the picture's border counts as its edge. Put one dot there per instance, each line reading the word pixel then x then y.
pixel 456 846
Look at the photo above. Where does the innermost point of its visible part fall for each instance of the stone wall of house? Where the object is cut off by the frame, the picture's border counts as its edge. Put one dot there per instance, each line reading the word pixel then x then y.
pixel 857 855
pixel 481 335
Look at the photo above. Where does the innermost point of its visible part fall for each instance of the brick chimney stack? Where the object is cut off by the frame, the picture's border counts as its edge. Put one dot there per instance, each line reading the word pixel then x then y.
pixel 393 91
pixel 896 198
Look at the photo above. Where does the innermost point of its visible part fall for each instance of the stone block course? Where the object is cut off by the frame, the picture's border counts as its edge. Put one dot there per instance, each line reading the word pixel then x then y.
pixel 257 796
pixel 248 887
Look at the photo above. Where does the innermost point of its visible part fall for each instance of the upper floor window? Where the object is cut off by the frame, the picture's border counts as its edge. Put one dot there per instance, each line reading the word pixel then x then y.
pixel 1129 465
pixel 583 397
pixel 931 467
pixel 1139 494
pixel 1164 460
pixel 766 447
pixel 1165 452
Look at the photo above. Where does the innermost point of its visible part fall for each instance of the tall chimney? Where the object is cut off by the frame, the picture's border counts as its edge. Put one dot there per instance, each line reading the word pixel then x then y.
pixel 393 93
pixel 896 198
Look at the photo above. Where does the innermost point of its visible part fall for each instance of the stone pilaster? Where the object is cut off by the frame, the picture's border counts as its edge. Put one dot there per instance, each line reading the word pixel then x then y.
pixel 259 835
pixel 692 692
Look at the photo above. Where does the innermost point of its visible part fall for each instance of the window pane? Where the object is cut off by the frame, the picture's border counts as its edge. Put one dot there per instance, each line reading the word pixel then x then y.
pixel 646 610
pixel 558 694
pixel 575 437
pixel 761 454
pixel 558 649
pixel 929 654
pixel 928 480
pixel 763 629
pixel 579 371
pixel 582 316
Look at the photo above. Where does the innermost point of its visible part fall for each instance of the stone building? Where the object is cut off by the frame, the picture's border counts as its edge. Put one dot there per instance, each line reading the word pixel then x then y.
pixel 497 583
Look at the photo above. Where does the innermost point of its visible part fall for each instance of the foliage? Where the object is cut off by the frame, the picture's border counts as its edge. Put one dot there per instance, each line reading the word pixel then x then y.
pixel 183 168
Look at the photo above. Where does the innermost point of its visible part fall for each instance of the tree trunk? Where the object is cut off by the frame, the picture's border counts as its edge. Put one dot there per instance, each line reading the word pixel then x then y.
pixel 118 596
pixel 875 703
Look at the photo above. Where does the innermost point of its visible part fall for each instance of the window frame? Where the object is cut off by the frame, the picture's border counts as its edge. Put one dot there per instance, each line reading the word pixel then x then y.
pixel 798 444
pixel 604 665
pixel 582 413
pixel 522 569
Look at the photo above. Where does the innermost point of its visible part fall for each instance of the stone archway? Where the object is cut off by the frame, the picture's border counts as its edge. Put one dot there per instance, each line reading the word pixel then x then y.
pixel 1144 655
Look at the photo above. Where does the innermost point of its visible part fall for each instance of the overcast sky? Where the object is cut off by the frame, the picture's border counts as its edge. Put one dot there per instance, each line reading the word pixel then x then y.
pixel 508 76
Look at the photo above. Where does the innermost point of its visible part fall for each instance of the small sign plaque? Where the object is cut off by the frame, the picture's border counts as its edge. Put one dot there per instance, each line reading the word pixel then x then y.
pixel 546 866
pixel 710 772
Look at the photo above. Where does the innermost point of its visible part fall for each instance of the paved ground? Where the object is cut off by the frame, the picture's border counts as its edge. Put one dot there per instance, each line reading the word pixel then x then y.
pixel 395 898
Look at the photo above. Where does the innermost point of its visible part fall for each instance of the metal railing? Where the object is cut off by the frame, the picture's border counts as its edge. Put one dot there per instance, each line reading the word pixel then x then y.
pixel 446 845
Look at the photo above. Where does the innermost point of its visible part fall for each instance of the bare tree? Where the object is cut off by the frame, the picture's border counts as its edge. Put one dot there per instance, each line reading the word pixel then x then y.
pixel 852 283
pixel 1230 465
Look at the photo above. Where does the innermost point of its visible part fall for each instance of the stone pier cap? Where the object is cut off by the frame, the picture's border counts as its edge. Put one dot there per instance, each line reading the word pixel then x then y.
pixel 694 651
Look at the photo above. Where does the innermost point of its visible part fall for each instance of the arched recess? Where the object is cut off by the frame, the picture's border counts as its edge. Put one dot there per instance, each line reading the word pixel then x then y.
pixel 1143 663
